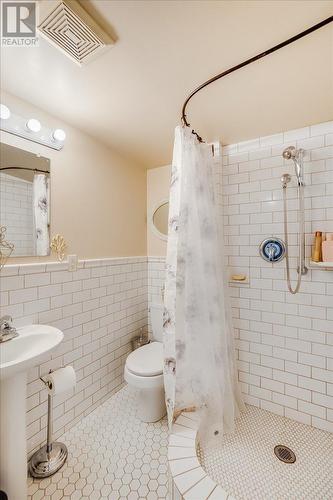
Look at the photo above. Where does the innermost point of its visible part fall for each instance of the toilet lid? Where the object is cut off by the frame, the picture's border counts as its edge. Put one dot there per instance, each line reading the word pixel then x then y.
pixel 146 361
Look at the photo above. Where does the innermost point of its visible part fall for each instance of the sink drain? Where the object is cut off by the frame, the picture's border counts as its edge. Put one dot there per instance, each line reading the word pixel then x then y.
pixel 285 454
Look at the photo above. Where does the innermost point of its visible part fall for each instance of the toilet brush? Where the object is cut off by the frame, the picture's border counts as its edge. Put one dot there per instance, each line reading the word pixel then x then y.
pixel 52 456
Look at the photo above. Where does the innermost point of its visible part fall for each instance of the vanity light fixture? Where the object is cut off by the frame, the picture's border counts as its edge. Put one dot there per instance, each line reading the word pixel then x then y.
pixel 34 125
pixel 4 112
pixel 59 135
pixel 31 129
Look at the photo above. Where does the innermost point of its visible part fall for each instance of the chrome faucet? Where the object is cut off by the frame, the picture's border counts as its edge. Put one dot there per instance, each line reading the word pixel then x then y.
pixel 7 330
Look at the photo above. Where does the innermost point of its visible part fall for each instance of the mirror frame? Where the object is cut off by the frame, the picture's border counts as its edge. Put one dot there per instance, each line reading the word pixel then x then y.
pixel 153 228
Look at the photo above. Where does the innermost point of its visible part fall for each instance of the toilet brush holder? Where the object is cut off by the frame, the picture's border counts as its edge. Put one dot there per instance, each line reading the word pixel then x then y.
pixel 52 456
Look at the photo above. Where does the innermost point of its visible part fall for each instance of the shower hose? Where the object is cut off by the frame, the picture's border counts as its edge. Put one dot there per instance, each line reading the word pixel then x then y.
pixel 301 239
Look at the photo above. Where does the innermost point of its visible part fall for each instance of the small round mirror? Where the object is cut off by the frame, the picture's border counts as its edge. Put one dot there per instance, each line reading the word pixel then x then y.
pixel 160 220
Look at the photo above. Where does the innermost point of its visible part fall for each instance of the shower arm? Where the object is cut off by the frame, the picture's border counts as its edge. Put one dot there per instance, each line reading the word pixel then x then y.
pixel 246 63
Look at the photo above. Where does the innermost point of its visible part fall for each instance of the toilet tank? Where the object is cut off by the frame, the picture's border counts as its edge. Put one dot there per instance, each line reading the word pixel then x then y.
pixel 156 318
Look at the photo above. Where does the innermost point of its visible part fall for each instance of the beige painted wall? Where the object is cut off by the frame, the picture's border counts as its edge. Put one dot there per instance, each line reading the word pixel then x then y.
pixel 158 182
pixel 98 199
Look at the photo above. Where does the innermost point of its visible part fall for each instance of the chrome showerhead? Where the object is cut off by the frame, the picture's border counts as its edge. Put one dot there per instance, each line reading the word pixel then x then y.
pixel 289 153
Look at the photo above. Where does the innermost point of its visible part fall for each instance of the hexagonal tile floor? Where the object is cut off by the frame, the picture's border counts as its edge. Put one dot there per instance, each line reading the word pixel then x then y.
pixel 245 464
pixel 112 455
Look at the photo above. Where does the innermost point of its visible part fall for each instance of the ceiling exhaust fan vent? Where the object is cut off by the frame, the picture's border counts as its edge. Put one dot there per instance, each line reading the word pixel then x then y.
pixel 66 25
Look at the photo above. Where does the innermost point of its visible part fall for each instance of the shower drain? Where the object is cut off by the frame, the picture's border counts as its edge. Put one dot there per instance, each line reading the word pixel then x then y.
pixel 285 454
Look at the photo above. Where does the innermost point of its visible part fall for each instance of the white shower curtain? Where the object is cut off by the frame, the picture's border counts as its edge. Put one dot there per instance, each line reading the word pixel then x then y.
pixel 199 369
pixel 41 213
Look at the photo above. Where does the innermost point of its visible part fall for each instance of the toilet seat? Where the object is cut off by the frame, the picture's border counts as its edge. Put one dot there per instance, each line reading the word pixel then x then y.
pixel 147 361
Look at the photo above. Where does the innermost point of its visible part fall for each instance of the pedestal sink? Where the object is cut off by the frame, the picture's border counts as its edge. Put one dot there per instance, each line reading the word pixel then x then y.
pixel 16 357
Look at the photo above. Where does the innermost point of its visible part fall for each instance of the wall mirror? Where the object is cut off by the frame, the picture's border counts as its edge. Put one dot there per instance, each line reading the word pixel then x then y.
pixel 25 201
pixel 159 219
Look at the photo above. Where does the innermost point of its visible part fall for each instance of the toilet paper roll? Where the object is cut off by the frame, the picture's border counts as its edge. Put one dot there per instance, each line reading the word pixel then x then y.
pixel 61 380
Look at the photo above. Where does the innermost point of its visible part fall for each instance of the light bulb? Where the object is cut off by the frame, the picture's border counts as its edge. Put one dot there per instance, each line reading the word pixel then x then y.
pixel 4 112
pixel 59 135
pixel 33 125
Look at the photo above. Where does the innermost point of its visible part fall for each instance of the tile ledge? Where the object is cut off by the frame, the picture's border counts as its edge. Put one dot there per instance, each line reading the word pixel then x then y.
pixel 63 265
pixel 321 265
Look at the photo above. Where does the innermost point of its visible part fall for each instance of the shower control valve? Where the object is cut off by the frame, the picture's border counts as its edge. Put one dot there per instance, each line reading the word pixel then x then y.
pixel 272 249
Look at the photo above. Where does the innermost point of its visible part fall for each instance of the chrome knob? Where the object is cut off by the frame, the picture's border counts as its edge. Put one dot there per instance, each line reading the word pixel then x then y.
pixel 285 178
pixel 271 251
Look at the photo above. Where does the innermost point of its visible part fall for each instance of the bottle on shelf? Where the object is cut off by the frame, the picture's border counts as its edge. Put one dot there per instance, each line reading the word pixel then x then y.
pixel 327 248
pixel 317 251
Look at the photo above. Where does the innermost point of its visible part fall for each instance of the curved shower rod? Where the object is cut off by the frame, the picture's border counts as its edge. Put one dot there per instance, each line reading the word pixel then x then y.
pixel 25 168
pixel 245 63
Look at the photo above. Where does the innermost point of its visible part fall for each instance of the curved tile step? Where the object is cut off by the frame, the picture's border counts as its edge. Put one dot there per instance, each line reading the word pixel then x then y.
pixel 189 481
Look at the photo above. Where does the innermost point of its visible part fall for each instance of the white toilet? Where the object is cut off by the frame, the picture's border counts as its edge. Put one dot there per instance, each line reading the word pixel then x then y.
pixel 144 371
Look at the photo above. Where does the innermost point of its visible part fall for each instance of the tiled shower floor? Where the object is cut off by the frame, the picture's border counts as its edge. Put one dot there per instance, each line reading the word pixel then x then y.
pixel 247 468
pixel 112 455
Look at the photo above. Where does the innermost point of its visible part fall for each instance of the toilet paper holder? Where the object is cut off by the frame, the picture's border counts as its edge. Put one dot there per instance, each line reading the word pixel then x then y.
pixel 51 457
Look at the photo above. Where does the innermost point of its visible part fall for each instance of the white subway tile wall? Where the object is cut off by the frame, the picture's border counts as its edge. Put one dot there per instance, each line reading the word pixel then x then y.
pixel 284 342
pixel 99 308
pixel 16 213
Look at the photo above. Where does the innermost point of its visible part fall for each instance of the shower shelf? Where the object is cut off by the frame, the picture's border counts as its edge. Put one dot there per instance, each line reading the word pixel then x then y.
pixel 321 265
